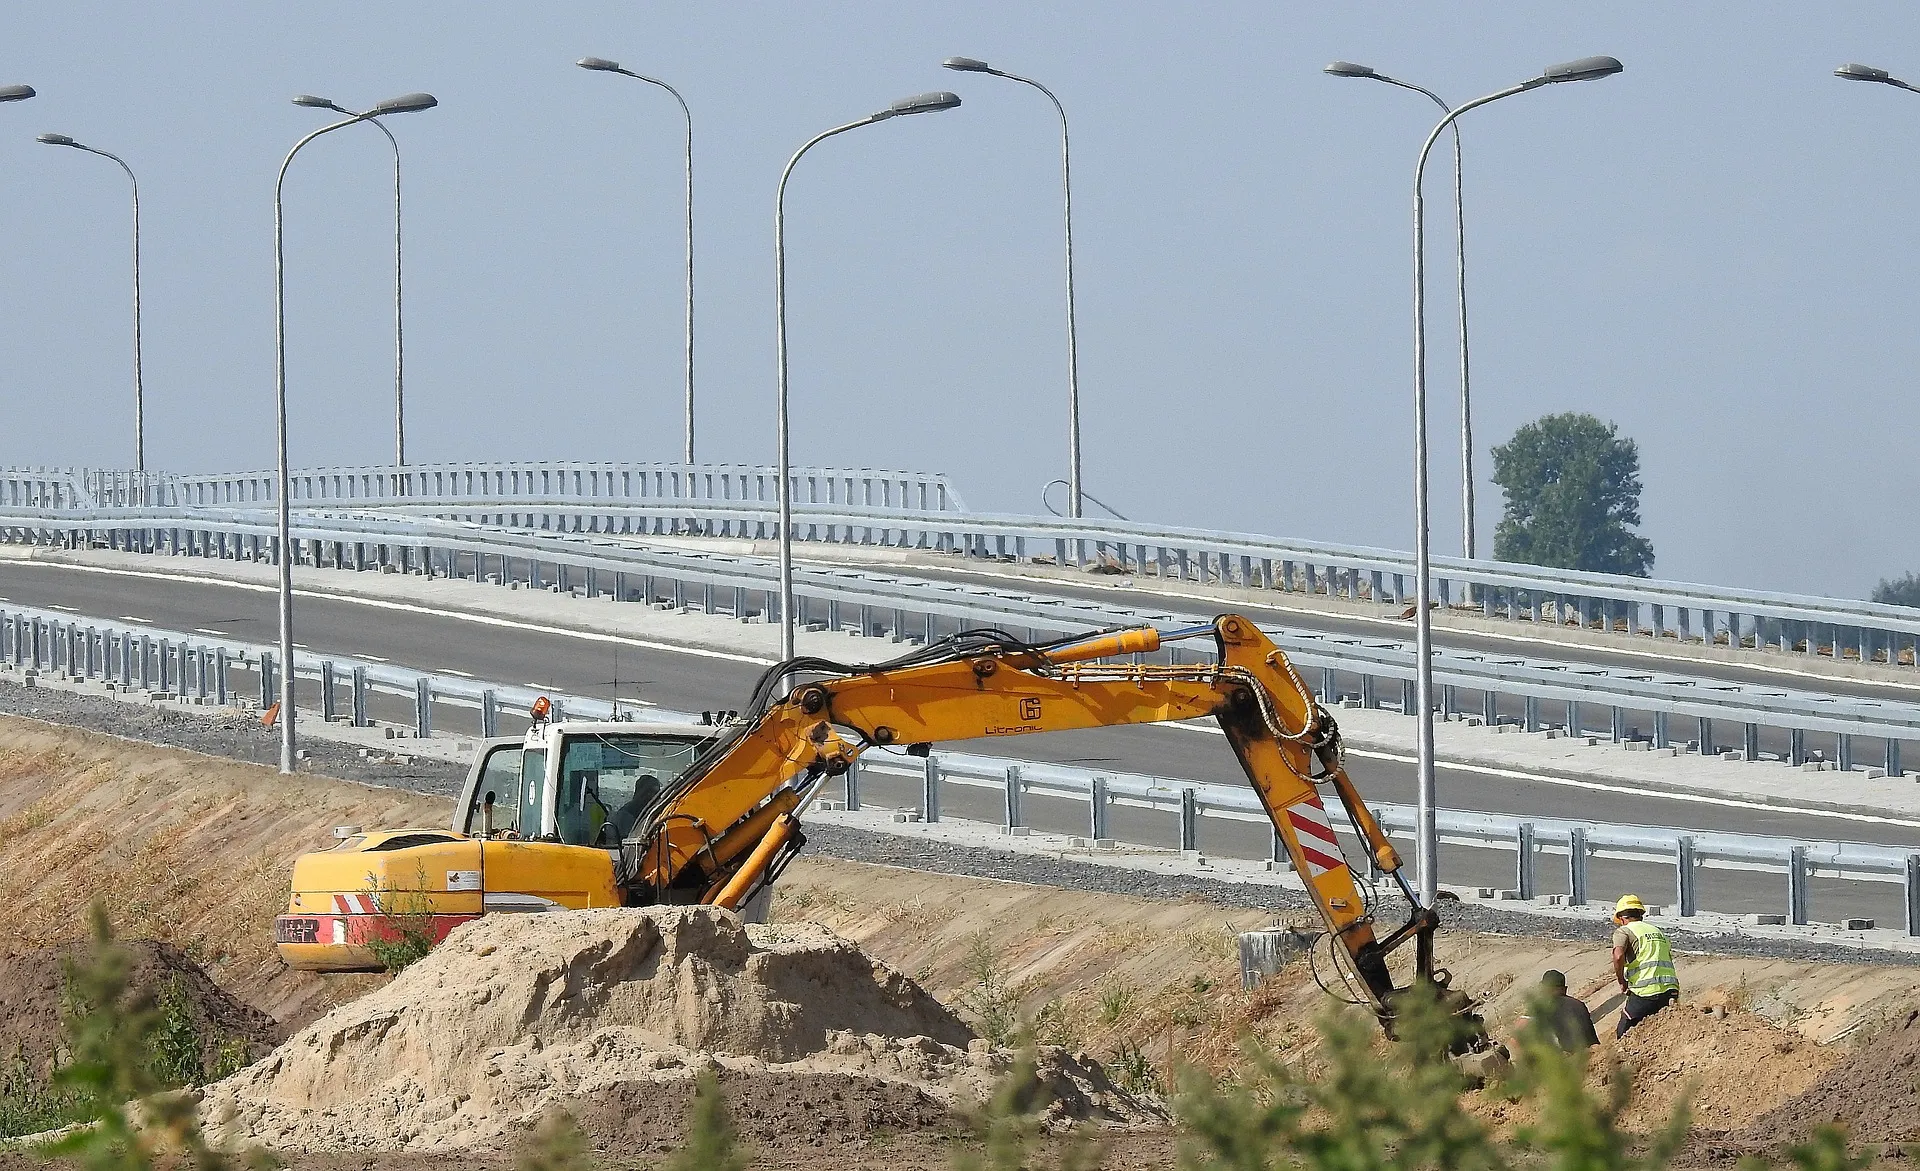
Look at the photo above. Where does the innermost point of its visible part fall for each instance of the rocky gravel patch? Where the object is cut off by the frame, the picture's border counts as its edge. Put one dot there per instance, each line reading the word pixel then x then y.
pixel 223 732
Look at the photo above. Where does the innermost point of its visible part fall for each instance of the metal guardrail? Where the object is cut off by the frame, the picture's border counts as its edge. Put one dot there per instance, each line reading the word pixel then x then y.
pixel 864 506
pixel 574 482
pixel 901 606
pixel 156 660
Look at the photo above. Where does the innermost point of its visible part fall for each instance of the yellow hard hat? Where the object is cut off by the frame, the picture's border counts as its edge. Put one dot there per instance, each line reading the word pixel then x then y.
pixel 1629 903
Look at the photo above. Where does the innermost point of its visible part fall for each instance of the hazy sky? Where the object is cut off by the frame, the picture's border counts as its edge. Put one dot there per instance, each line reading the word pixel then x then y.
pixel 1712 249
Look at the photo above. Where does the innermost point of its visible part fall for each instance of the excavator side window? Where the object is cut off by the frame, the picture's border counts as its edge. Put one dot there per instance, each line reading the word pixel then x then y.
pixel 533 785
pixel 500 776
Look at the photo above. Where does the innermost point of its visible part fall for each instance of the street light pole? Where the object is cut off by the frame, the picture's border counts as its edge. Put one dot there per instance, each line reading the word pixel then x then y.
pixel 1467 542
pixel 399 317
pixel 1427 833
pixel 919 104
pixel 139 393
pixel 602 65
pixel 1075 494
pixel 406 103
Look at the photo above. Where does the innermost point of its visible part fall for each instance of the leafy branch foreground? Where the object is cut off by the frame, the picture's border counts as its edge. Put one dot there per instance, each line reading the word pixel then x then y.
pixel 1360 1109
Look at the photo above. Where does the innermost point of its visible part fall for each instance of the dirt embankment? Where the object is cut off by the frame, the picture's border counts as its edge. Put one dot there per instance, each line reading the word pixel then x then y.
pixel 182 848
pixel 194 851
pixel 34 1002
pixel 1109 973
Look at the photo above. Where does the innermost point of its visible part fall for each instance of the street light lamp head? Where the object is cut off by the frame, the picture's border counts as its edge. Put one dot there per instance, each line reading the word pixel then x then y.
pixel 1585 69
pixel 1349 69
pixel 404 104
pixel 599 64
pixel 316 103
pixel 55 140
pixel 966 65
pixel 925 103
pixel 1864 73
pixel 15 93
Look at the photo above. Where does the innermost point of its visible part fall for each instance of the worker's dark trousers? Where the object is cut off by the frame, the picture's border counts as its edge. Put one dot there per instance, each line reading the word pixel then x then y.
pixel 1639 1008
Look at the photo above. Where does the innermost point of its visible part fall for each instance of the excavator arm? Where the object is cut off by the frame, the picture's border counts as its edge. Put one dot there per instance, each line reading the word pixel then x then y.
pixel 734 820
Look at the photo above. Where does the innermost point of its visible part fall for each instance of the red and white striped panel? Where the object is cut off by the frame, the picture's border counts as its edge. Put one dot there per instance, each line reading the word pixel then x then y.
pixel 1314 832
pixel 354 904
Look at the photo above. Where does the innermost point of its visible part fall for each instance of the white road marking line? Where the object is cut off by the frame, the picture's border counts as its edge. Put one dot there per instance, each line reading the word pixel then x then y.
pixel 373 658
pixel 449 671
pixel 68 609
pixel 1603 787
pixel 132 618
pixel 214 633
pixel 430 611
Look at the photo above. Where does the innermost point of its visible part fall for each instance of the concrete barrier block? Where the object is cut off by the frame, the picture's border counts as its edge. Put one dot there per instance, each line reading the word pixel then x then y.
pixel 1767 920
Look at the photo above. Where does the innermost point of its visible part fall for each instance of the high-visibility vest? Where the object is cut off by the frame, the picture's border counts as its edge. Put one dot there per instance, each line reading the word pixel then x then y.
pixel 1651 972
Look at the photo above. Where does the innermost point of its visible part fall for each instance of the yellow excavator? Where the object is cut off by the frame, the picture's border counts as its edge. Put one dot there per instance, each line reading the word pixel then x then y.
pixel 636 814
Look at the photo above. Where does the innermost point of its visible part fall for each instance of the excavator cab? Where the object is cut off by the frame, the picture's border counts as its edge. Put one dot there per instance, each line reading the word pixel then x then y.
pixel 539 825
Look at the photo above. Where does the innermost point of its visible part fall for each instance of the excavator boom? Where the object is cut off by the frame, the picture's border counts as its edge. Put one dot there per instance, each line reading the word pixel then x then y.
pixel 735 819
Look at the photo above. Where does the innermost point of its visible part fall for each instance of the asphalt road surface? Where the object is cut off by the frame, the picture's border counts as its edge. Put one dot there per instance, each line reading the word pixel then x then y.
pixel 693 682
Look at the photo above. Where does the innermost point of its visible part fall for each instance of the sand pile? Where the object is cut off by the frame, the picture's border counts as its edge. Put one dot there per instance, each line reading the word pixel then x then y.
pixel 1731 1066
pixel 1874 1092
pixel 33 997
pixel 612 1014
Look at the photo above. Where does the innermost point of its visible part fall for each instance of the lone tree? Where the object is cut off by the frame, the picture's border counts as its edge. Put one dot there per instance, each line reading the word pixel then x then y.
pixel 1573 495
pixel 1900 591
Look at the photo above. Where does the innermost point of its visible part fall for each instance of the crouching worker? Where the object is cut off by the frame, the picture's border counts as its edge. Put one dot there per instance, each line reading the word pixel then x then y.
pixel 1559 1018
pixel 1642 964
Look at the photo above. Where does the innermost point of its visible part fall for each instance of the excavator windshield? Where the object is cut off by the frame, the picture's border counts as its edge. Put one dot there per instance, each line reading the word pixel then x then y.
pixel 610 780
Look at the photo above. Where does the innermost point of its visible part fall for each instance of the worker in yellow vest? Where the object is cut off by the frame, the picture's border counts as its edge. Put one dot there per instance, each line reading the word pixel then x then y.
pixel 1642 964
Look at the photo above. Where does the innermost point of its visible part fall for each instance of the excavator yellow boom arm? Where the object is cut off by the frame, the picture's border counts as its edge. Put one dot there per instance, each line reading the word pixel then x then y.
pixel 735 818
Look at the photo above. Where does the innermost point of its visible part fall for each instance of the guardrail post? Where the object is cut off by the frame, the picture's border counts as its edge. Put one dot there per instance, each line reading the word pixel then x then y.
pixel 1750 742
pixel 930 789
pixel 1329 686
pixel 1189 820
pixel 1409 698
pixel 1844 751
pixel 489 713
pixel 199 673
pixel 93 633
pixel 1893 759
pixel 852 776
pixel 1489 708
pixel 1097 810
pixel 1533 713
pixel 423 706
pixel 1523 861
pixel 1575 727
pixel 326 691
pixel 1796 747
pixel 359 702
pixel 1660 737
pixel 1619 727
pixel 1797 886
pixel 166 665
pixel 126 661
pixel 1369 695
pixel 220 666
pixel 146 661
pixel 1684 874
pixel 1013 796
pixel 1912 887
pixel 266 679
pixel 1577 866
pixel 1707 747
